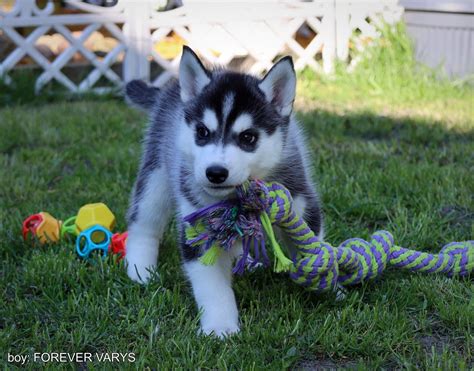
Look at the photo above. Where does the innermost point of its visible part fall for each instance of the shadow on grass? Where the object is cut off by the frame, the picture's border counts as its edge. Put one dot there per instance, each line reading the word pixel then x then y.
pixel 21 91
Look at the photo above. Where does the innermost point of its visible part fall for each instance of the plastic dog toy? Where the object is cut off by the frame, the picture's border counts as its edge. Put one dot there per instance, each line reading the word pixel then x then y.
pixel 42 225
pixel 95 214
pixel 69 227
pixel 87 216
pixel 118 243
pixel 314 264
pixel 91 226
pixel 94 239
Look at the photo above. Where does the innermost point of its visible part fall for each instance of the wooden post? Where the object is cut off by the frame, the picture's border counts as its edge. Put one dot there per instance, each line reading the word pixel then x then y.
pixel 343 30
pixel 137 37
pixel 329 48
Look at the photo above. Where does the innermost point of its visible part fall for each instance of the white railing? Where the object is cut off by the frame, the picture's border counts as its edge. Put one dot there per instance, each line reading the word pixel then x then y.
pixel 315 33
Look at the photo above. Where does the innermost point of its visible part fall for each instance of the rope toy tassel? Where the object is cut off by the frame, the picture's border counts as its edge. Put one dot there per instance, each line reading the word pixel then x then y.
pixel 282 263
pixel 211 255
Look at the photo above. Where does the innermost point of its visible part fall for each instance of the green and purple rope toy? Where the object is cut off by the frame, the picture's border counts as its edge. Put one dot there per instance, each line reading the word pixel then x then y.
pixel 314 264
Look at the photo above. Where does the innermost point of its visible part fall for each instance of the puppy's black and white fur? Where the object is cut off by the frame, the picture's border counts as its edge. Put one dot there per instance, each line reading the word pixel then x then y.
pixel 209 132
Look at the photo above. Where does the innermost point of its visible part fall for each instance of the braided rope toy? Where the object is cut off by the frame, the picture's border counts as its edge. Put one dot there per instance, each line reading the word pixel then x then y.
pixel 314 264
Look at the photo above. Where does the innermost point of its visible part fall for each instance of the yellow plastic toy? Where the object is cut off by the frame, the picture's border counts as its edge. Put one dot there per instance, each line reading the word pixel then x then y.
pixel 44 226
pixel 95 214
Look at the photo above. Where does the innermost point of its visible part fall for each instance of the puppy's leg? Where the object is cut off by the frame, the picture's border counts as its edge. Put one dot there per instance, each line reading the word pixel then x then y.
pixel 310 209
pixel 212 288
pixel 148 217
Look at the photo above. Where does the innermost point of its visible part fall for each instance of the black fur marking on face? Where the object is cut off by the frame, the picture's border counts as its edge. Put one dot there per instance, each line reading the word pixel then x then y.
pixel 203 134
pixel 247 98
pixel 247 140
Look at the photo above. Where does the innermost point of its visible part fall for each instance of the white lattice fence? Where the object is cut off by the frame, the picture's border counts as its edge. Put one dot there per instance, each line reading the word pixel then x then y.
pixel 315 33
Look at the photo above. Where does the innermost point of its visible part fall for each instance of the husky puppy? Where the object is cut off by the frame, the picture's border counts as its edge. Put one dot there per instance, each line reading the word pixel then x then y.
pixel 210 131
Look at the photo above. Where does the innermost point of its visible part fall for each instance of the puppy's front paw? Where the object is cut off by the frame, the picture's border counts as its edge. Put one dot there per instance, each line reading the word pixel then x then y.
pixel 219 328
pixel 139 271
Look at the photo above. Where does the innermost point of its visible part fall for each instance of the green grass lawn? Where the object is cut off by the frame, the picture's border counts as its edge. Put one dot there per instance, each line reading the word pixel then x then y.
pixel 396 155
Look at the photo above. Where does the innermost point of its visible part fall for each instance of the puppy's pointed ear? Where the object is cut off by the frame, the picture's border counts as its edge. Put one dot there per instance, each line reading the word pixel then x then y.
pixel 193 77
pixel 279 85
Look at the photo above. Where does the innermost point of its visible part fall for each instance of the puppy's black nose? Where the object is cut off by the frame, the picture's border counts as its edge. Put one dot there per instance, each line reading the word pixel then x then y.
pixel 217 174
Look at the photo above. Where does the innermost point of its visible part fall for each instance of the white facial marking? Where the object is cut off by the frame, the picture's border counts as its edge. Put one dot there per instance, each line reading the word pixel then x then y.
pixel 206 156
pixel 227 106
pixel 267 155
pixel 243 122
pixel 210 119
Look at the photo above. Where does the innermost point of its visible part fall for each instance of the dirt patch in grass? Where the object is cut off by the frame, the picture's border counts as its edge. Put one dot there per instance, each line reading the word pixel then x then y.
pixel 316 364
pixel 434 343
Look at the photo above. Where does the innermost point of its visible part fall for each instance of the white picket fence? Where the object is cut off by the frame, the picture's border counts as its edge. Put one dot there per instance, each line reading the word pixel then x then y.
pixel 257 31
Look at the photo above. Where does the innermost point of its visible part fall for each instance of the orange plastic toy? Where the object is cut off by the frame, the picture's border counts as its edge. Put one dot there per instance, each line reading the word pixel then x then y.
pixel 44 226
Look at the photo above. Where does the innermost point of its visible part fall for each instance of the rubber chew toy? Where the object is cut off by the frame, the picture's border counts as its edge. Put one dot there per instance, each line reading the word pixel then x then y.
pixel 94 239
pixel 118 244
pixel 94 223
pixel 315 264
pixel 69 227
pixel 94 214
pixel 42 225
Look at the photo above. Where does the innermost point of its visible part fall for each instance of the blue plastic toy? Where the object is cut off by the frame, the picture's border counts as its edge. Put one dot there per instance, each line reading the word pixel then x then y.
pixel 85 244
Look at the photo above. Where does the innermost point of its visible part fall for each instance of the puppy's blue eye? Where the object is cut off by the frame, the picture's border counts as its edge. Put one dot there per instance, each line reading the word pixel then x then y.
pixel 248 138
pixel 202 132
